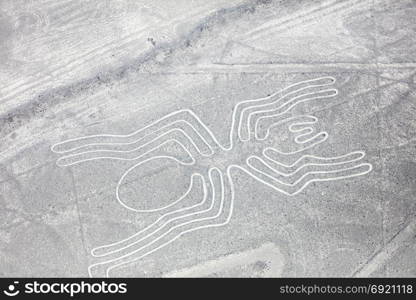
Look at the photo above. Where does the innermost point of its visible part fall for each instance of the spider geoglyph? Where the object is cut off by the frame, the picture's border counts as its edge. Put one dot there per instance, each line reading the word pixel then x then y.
pixel 253 148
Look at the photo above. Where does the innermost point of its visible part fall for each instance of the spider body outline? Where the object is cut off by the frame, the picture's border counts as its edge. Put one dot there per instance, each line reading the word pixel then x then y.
pixel 194 135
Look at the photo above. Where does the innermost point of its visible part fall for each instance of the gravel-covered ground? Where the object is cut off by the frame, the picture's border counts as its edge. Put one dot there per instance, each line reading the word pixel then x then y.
pixel 132 203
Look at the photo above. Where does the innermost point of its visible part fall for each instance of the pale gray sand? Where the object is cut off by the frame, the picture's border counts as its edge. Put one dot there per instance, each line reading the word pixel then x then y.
pixel 75 68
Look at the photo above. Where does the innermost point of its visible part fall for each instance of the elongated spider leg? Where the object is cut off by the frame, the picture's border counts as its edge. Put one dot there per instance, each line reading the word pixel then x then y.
pixel 300 124
pixel 178 127
pixel 218 214
pixel 308 88
pixel 300 130
pixel 148 147
pixel 282 107
pixel 185 120
pixel 241 109
pixel 290 174
pixel 293 183
pixel 270 158
pixel 161 223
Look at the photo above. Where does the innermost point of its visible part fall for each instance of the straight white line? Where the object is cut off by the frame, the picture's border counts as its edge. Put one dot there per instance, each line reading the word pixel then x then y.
pixel 291 67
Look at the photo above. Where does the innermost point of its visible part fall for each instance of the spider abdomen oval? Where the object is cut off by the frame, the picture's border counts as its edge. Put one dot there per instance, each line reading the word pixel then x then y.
pixel 153 185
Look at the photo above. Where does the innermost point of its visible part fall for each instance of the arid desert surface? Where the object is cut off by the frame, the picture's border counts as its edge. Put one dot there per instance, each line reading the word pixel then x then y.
pixel 207 138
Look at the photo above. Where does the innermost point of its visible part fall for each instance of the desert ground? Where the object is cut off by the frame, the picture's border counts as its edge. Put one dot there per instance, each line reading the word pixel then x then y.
pixel 89 95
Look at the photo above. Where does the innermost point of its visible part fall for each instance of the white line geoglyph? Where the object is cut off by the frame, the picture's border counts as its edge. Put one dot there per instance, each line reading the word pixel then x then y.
pixel 185 129
pixel 119 260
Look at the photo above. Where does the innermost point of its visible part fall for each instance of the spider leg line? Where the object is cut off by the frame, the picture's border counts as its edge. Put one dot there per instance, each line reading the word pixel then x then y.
pixel 173 227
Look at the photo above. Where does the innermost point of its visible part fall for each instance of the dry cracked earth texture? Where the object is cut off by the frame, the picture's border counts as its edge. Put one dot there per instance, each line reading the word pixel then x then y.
pixel 74 68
